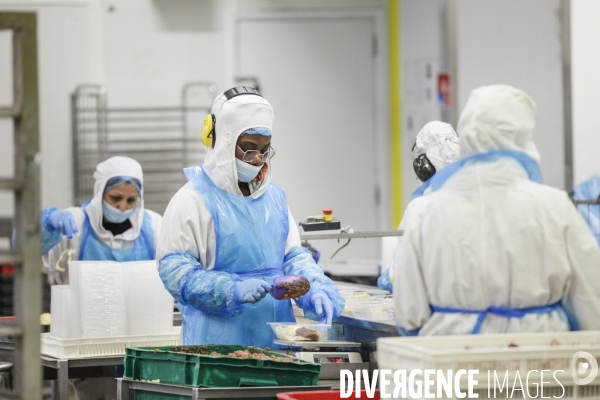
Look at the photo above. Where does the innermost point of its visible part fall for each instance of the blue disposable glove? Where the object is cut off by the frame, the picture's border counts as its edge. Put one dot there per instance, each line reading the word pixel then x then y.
pixel 384 282
pixel 251 290
pixel 323 306
pixel 64 222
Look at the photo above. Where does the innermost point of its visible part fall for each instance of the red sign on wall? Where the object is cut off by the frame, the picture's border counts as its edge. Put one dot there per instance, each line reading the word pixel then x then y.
pixel 443 87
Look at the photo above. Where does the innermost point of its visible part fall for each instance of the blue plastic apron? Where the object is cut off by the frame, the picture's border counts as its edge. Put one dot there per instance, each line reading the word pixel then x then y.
pixel 509 313
pixel 529 165
pixel 420 191
pixel 250 242
pixel 93 249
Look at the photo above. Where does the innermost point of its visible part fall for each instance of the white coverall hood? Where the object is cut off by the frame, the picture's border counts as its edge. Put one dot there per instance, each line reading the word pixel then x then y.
pixel 233 117
pixel 115 166
pixel 498 117
pixel 439 142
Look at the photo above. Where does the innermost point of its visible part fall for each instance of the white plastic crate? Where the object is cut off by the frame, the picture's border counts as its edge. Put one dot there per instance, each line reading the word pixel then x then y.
pixel 148 305
pixel 102 299
pixel 111 299
pixel 533 351
pixel 373 309
pixel 60 308
pixel 108 346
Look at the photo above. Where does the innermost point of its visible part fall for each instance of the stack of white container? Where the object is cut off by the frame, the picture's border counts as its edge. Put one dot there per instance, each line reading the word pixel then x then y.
pixel 111 299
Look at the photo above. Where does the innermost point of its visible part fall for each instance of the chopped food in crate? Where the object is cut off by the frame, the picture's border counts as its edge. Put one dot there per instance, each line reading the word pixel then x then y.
pixel 254 353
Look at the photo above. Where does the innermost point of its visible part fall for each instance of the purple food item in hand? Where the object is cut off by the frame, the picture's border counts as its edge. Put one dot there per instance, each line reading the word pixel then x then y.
pixel 290 287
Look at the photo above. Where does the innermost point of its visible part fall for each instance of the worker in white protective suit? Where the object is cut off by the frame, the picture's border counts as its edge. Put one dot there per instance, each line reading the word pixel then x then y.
pixel 113 225
pixel 228 233
pixel 492 249
pixel 435 147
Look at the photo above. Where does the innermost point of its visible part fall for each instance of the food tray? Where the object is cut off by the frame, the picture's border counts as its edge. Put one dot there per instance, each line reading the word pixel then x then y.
pixel 375 309
pixel 171 367
pixel 295 331
pixel 523 352
pixel 99 347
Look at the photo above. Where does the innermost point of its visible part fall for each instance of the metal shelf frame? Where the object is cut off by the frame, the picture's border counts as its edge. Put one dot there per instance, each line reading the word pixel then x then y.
pixel 355 235
pixel 165 137
pixel 25 186
pixel 126 388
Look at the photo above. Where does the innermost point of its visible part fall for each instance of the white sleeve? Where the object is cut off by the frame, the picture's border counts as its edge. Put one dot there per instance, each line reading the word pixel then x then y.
pixel 410 293
pixel 583 294
pixel 293 239
pixel 187 227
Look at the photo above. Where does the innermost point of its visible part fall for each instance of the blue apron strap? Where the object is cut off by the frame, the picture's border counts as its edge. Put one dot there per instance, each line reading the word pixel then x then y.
pixel 480 318
pixel 521 312
pixel 418 192
pixel 509 313
pixel 573 324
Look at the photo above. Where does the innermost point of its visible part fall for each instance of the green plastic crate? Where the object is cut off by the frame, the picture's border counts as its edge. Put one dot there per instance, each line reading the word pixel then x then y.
pixel 170 367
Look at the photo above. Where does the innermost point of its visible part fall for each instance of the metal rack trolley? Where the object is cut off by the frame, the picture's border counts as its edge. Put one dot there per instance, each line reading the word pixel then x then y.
pixel 25 186
pixel 164 140
pixel 61 370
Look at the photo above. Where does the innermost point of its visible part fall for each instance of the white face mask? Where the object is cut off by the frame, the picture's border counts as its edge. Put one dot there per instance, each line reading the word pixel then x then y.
pixel 115 215
pixel 247 172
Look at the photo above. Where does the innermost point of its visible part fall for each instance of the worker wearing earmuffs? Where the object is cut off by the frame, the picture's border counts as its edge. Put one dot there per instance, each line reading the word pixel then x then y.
pixel 228 233
pixel 435 147
pixel 492 249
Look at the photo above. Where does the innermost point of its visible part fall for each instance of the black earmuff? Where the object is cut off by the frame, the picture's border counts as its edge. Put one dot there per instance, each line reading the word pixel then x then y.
pixel 423 167
pixel 208 133
pixel 240 90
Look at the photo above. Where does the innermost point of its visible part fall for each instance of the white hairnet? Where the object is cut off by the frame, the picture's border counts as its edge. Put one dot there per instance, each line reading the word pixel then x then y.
pixel 115 166
pixel 498 117
pixel 233 117
pixel 439 142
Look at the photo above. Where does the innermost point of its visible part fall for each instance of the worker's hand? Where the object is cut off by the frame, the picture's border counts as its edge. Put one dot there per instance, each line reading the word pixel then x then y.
pixel 63 221
pixel 323 306
pixel 251 290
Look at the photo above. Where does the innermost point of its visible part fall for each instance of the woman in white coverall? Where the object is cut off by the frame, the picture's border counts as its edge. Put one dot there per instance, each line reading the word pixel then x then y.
pixel 113 225
pixel 228 233
pixel 435 147
pixel 493 250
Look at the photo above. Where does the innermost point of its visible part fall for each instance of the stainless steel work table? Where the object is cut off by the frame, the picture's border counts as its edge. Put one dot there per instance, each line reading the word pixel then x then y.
pixel 61 370
pixel 126 387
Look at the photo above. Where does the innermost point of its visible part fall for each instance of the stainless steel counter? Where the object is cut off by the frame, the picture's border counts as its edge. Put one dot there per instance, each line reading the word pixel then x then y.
pixel 126 389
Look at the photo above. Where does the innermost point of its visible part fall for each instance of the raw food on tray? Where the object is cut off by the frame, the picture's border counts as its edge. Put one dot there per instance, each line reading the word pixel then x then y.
pixel 297 332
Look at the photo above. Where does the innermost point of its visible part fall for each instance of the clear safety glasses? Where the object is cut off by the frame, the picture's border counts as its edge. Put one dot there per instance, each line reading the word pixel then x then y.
pixel 250 155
